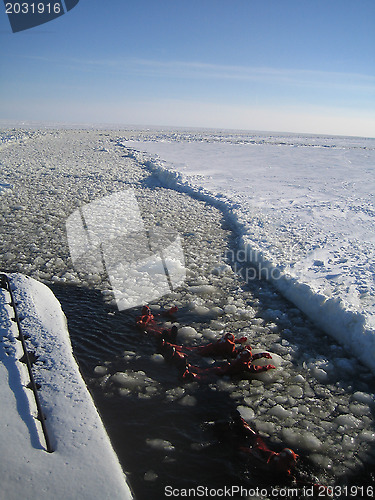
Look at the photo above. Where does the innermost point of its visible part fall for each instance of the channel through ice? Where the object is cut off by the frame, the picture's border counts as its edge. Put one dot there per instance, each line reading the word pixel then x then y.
pixel 304 210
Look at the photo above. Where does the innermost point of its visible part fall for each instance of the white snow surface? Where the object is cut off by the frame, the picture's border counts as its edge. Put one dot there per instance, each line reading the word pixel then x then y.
pixel 303 207
pixel 83 464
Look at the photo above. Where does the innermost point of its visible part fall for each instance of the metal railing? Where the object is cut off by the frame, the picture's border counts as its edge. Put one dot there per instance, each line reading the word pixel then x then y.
pixel 26 358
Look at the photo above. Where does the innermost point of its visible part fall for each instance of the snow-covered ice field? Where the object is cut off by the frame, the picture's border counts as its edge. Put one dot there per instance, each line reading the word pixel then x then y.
pixel 297 205
pixel 304 209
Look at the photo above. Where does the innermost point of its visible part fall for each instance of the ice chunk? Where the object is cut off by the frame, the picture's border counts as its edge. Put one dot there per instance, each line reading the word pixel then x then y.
pixel 348 442
pixel 188 400
pixel 132 380
pixel 150 476
pixel 321 460
pixel 217 325
pixel 100 370
pixel 280 412
pixel 221 269
pixel 266 427
pixel 200 310
pixel 302 439
pixel 160 444
pixel 203 289
pixel 225 385
pixel 320 374
pixel 248 312
pixel 359 410
pixel 367 436
pixel 188 333
pixel 363 397
pixel 282 399
pixel 348 421
pixel 230 309
pixel 296 391
pixel 174 394
pixel 209 334
pixel 218 311
pixel 246 412
pixel 157 358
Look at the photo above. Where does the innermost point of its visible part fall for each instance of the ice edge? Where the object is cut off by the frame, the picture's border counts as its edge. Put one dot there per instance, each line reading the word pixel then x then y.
pixel 349 328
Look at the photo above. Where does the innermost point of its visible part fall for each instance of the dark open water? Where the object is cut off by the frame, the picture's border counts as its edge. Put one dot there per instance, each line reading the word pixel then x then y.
pixel 198 458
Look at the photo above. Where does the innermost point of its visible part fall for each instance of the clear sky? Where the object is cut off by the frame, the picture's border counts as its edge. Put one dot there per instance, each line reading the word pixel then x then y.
pixel 277 65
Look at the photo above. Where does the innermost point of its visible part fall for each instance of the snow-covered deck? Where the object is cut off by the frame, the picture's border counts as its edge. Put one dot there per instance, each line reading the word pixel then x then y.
pixel 83 463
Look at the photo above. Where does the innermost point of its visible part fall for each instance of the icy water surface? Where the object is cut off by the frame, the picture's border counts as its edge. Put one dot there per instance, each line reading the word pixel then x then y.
pixel 319 401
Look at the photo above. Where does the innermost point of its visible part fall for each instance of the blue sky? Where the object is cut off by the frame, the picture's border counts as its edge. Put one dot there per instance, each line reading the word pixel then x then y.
pixel 277 65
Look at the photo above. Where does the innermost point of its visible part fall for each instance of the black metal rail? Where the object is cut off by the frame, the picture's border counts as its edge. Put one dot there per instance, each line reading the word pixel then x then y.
pixel 5 284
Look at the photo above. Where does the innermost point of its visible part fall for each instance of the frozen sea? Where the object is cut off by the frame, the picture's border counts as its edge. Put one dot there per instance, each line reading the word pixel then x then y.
pixel 248 206
pixel 304 210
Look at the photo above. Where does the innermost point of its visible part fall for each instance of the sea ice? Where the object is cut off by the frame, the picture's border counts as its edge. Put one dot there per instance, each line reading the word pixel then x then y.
pixel 304 215
pixel 316 381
